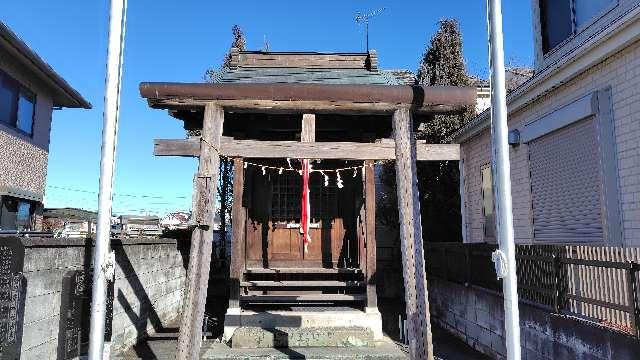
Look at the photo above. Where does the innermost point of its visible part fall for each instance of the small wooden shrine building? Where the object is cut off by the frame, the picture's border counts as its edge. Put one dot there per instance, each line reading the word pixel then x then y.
pixel 267 112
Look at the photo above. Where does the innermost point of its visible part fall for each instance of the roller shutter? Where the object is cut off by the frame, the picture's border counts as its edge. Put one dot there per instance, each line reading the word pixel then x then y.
pixel 566 184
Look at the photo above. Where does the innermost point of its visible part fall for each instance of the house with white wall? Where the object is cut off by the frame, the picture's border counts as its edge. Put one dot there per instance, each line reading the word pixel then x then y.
pixel 574 132
pixel 574 135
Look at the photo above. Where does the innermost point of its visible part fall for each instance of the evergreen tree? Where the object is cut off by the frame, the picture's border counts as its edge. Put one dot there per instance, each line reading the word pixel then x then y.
pixel 225 183
pixel 239 42
pixel 442 64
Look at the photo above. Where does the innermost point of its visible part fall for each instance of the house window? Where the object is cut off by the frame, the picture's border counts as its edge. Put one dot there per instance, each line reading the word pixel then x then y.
pixel 587 10
pixel 560 19
pixel 487 203
pixel 16 214
pixel 17 104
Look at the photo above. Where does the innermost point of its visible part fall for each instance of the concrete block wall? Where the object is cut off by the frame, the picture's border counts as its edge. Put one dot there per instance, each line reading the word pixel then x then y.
pixel 147 292
pixel 621 72
pixel 45 265
pixel 476 316
pixel 149 285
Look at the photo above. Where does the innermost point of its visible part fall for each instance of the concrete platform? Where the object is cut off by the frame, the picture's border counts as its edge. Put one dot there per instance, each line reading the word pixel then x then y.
pixel 287 337
pixel 166 349
pixel 163 347
pixel 384 351
pixel 298 318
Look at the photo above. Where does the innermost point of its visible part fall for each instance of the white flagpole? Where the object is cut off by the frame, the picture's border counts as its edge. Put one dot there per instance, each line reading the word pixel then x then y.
pixel 103 263
pixel 504 257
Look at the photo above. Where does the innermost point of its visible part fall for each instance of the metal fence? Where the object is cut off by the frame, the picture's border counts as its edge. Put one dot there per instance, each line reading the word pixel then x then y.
pixel 593 282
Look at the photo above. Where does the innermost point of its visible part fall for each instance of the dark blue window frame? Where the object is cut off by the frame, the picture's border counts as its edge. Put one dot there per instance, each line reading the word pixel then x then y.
pixel 17 105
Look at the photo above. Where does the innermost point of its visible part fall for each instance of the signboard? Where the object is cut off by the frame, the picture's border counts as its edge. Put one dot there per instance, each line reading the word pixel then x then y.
pixel 75 314
pixel 12 296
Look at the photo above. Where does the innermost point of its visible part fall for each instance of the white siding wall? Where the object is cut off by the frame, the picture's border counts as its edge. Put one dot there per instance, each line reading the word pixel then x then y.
pixel 622 73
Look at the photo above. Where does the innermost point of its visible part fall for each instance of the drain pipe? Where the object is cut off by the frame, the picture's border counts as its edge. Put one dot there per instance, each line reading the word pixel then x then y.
pixel 504 258
pixel 103 261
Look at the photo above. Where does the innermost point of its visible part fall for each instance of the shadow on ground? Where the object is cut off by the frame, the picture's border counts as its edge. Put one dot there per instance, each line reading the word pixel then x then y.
pixel 449 347
pixel 162 346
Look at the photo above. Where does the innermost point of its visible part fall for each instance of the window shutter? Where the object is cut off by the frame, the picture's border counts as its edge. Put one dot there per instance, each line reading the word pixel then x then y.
pixel 565 184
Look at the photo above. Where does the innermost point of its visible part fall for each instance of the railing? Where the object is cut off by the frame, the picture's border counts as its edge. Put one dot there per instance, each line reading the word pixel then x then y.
pixel 594 282
pixel 603 284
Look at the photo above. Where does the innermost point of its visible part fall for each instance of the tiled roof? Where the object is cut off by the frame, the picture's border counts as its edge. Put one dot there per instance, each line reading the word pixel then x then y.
pixel 310 68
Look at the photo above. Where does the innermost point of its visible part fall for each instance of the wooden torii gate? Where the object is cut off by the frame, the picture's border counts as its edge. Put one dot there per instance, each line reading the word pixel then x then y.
pixel 214 99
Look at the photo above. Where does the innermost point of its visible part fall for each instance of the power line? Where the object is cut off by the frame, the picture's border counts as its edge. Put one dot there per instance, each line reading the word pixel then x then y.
pixel 121 195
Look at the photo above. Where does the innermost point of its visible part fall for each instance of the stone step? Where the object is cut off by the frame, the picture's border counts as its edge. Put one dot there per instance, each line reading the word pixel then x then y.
pixel 314 284
pixel 384 350
pixel 306 298
pixel 294 337
pixel 303 271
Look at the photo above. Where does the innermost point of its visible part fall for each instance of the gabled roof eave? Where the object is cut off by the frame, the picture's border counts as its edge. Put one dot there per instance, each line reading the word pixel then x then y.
pixel 63 94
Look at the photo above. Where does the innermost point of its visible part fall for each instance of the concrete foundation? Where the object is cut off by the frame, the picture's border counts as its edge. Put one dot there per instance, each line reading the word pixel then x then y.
pixel 370 320
pixel 257 338
pixel 476 316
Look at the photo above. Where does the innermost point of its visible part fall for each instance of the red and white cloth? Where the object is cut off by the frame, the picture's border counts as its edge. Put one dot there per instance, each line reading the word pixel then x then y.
pixel 305 218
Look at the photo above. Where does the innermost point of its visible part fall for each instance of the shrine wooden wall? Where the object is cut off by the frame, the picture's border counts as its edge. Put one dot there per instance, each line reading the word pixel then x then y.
pixel 334 233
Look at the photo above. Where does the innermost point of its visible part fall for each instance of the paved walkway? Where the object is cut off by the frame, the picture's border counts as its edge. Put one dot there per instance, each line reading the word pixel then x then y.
pixel 163 347
pixel 449 347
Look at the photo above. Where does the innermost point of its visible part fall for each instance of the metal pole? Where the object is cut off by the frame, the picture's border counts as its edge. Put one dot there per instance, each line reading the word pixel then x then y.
pixel 504 257
pixel 102 261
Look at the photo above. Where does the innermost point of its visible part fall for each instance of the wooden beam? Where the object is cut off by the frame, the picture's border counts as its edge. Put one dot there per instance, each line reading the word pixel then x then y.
pixel 238 219
pixel 384 150
pixel 370 218
pixel 308 134
pixel 190 337
pixel 413 267
pixel 303 107
pixel 310 98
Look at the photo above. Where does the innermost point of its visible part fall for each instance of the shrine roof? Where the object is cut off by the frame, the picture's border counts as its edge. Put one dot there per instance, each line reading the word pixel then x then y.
pixel 301 82
pixel 310 68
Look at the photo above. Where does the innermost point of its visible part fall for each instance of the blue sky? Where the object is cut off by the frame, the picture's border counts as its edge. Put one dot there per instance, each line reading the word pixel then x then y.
pixel 178 40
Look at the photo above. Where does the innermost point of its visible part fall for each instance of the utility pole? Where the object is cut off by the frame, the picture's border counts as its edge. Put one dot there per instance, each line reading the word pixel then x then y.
pixel 504 258
pixel 103 262
pixel 364 18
